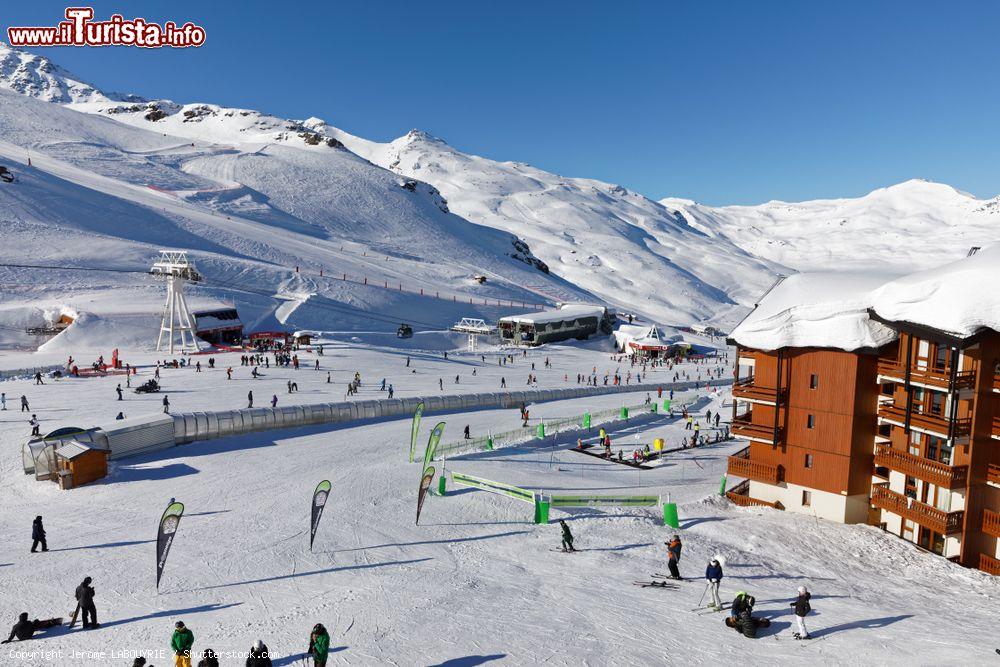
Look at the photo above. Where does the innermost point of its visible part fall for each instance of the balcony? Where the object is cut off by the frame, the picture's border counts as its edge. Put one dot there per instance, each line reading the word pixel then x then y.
pixel 740 495
pixel 996 382
pixel 741 465
pixel 989 565
pixel 991 523
pixel 924 421
pixel 747 390
pixel 940 474
pixel 937 378
pixel 993 474
pixel 995 433
pixel 744 427
pixel 946 523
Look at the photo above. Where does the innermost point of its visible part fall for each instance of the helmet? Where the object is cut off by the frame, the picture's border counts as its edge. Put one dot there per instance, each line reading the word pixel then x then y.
pixel 179 624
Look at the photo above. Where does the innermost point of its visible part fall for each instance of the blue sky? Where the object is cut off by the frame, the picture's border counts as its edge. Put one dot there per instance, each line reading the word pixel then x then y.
pixel 721 102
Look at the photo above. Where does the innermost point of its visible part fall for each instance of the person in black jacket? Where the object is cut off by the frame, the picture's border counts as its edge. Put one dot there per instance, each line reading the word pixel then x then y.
pixel 38 535
pixel 259 656
pixel 713 573
pixel 208 659
pixel 24 629
pixel 802 607
pixel 85 600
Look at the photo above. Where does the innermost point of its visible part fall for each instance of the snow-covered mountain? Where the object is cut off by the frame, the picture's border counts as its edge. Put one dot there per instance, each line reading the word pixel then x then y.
pixel 613 242
pixel 915 224
pixel 36 76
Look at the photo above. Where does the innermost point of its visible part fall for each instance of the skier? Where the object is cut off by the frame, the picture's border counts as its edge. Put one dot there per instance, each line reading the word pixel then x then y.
pixel 38 535
pixel 35 425
pixel 319 645
pixel 391 391
pixel 802 607
pixel 3 400
pixel 166 405
pixel 250 399
pixel 467 436
pixel 24 404
pixel 85 603
pixel 229 373
pixel 181 643
pixel 716 420
pixel 713 573
pixel 741 618
pixel 38 378
pixel 208 659
pixel 567 537
pixel 259 655
pixel 274 401
pixel 24 628
pixel 118 390
pixel 674 556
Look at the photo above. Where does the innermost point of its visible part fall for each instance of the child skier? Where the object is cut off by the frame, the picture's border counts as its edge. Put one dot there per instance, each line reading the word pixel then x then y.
pixel 713 573
pixel 567 537
pixel 802 607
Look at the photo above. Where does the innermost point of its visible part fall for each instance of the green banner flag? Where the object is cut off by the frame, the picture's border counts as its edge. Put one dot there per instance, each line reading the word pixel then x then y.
pixel 432 443
pixel 415 428
pixel 320 495
pixel 165 532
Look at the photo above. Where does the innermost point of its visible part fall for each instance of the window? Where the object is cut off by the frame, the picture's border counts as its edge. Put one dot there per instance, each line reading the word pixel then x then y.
pixel 807 498
pixel 811 421
pixel 940 357
pixel 813 381
pixel 809 460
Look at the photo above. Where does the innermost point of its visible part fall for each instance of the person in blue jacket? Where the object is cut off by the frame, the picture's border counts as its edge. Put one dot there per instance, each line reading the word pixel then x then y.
pixel 713 573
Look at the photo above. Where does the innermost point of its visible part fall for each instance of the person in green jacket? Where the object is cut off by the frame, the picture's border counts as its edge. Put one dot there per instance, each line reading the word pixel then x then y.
pixel 319 645
pixel 181 643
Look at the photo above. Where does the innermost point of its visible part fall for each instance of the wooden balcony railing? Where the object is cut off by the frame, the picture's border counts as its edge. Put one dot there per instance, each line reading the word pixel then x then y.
pixel 748 390
pixel 996 427
pixel 740 495
pixel 741 465
pixel 941 474
pixel 991 523
pixel 946 523
pixel 989 564
pixel 744 427
pixel 940 378
pixel 996 381
pixel 937 424
pixel 993 473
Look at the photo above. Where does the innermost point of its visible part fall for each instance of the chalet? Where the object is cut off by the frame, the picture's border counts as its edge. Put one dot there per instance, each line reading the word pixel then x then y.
pixel 578 321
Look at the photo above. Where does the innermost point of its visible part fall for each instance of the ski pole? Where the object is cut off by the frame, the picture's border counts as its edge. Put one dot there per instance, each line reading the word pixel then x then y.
pixel 702 598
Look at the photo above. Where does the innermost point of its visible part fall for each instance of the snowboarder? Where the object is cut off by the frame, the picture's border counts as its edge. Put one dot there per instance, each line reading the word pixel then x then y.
pixel 741 618
pixel 567 537
pixel 208 659
pixel 181 643
pixel 319 645
pixel 24 628
pixel 713 573
pixel 166 405
pixel 674 556
pixel 259 655
pixel 802 607
pixel 250 399
pixel 118 390
pixel 85 603
pixel 38 535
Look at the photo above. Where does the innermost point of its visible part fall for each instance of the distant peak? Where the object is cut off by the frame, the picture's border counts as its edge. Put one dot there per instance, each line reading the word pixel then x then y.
pixel 36 76
pixel 922 185
pixel 419 135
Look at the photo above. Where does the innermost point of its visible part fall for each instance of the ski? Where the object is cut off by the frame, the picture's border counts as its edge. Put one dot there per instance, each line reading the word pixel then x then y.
pixel 567 551
pixel 657 575
pixel 654 584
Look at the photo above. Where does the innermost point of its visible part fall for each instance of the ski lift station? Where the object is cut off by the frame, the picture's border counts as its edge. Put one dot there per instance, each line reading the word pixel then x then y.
pixel 568 321
pixel 647 341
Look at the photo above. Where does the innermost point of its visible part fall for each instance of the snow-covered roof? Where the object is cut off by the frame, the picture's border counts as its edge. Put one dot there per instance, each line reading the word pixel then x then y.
pixel 834 309
pixel 642 336
pixel 959 298
pixel 72 450
pixel 567 312
pixel 816 310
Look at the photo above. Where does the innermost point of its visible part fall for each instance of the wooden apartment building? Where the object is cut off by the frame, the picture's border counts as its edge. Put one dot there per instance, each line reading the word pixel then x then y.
pixel 902 434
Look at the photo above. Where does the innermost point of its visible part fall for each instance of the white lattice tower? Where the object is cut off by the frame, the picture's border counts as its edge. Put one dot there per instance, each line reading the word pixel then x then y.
pixel 474 328
pixel 177 320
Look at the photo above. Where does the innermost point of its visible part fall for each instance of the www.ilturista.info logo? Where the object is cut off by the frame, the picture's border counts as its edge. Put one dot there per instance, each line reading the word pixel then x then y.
pixel 81 30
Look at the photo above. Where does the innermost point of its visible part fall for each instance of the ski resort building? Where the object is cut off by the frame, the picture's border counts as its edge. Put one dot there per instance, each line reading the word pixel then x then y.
pixel 646 342
pixel 877 401
pixel 219 326
pixel 551 326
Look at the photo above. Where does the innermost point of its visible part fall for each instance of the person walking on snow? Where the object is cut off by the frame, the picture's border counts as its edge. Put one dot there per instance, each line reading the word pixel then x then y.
pixel 567 537
pixel 181 643
pixel 3 400
pixel 274 401
pixel 674 556
pixel 38 535
pixel 24 404
pixel 319 645
pixel 118 390
pixel 250 399
pixel 802 607
pixel 85 602
pixel 713 573
pixel 166 405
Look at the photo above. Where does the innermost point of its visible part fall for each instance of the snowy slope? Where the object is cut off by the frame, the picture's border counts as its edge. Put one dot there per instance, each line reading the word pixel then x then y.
pixel 603 237
pixel 916 224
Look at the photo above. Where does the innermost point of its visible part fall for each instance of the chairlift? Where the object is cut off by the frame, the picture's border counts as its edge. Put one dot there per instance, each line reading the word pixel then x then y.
pixel 404 331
